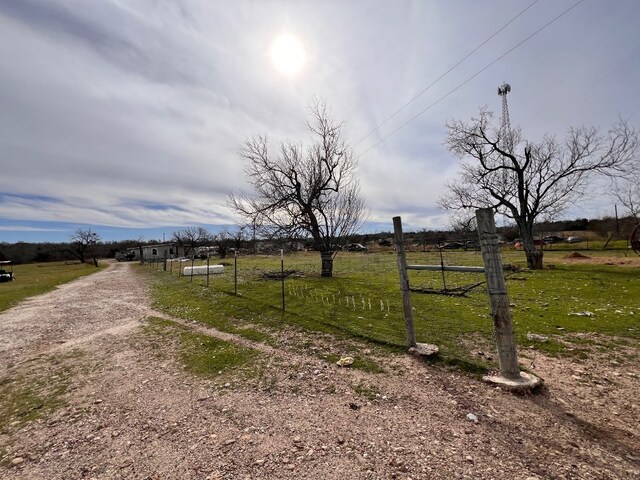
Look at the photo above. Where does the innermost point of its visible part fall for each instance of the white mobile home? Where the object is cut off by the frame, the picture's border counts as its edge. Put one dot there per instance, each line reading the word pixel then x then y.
pixel 158 252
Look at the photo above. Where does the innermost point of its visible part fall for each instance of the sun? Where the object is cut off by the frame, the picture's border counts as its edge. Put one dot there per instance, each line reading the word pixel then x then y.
pixel 287 54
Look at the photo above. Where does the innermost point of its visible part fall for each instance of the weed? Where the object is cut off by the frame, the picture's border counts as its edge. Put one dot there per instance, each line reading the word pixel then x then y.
pixel 370 392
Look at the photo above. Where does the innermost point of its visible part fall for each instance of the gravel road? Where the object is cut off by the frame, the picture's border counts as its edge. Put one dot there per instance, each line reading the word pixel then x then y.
pixel 118 403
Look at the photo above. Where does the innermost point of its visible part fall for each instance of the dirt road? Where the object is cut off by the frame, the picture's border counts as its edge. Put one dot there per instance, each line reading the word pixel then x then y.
pixel 90 391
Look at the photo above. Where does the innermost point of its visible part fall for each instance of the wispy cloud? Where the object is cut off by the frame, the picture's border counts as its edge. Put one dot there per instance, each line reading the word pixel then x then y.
pixel 25 228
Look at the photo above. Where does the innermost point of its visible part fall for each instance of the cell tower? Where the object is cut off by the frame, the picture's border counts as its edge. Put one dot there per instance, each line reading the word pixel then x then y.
pixel 505 127
pixel 506 139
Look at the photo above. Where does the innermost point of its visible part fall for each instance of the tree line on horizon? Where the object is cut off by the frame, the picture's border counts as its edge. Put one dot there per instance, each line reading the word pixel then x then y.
pixel 37 252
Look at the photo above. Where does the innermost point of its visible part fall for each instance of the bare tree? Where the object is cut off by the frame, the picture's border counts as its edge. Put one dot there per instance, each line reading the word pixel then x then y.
pixel 463 223
pixel 223 240
pixel 626 190
pixel 525 180
pixel 310 191
pixel 190 238
pixel 140 243
pixel 83 243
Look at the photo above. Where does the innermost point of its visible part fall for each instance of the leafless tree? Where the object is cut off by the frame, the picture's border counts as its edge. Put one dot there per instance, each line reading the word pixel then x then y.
pixel 310 191
pixel 140 243
pixel 529 179
pixel 223 240
pixel 239 235
pixel 626 190
pixel 463 222
pixel 190 238
pixel 83 243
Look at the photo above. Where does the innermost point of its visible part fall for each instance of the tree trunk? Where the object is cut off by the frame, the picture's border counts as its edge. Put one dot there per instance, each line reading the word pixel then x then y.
pixel 327 264
pixel 534 259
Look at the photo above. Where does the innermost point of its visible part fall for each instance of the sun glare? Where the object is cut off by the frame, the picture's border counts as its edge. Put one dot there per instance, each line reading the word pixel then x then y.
pixel 288 54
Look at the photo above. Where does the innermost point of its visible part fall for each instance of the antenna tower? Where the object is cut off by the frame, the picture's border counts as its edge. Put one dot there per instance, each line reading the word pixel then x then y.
pixel 505 127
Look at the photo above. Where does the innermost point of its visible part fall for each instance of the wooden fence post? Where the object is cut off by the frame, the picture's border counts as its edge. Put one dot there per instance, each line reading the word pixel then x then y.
pixel 207 268
pixel 510 375
pixel 404 282
pixel 235 272
pixel 282 275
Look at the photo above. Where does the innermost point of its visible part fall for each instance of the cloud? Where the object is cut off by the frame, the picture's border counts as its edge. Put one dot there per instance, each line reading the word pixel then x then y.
pixel 131 114
pixel 26 228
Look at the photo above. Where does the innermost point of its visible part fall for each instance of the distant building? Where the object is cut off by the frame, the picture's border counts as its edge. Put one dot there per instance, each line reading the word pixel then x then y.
pixel 158 252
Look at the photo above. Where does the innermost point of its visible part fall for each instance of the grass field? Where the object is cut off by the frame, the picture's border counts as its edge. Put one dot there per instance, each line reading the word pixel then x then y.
pixel 36 278
pixel 362 302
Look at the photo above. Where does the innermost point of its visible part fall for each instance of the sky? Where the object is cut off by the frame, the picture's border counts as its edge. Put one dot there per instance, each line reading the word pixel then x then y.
pixel 127 116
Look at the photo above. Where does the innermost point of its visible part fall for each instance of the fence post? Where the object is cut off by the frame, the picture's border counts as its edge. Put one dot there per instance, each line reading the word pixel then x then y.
pixel 404 282
pixel 282 275
pixel 235 272
pixel 164 262
pixel 207 268
pixel 510 375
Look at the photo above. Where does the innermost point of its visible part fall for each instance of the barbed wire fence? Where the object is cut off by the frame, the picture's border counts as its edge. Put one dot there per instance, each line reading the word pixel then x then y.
pixel 362 297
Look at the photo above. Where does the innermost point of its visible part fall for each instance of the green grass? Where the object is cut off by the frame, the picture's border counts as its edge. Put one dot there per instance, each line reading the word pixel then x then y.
pixel 22 401
pixel 206 356
pixel 590 245
pixel 37 278
pixel 544 303
pixel 33 391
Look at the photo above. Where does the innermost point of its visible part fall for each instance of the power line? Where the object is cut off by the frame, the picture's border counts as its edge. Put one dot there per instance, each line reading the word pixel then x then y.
pixel 445 73
pixel 472 77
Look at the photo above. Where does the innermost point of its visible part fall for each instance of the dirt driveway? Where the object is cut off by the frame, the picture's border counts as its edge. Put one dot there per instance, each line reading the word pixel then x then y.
pixel 90 391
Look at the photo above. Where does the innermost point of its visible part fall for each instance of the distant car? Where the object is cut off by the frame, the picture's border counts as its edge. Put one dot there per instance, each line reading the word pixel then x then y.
pixel 452 245
pixel 517 243
pixel 356 247
pixel 6 275
pixel 552 239
pixel 125 256
pixel 574 239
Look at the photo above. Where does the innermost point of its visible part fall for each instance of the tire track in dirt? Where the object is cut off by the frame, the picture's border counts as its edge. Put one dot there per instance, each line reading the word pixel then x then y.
pixel 110 302
pixel 85 307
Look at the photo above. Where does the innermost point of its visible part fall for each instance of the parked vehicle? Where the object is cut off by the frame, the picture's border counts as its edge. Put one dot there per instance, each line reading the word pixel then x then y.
pixel 517 243
pixel 574 239
pixel 125 256
pixel 356 247
pixel 6 271
pixel 552 239
pixel 452 245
